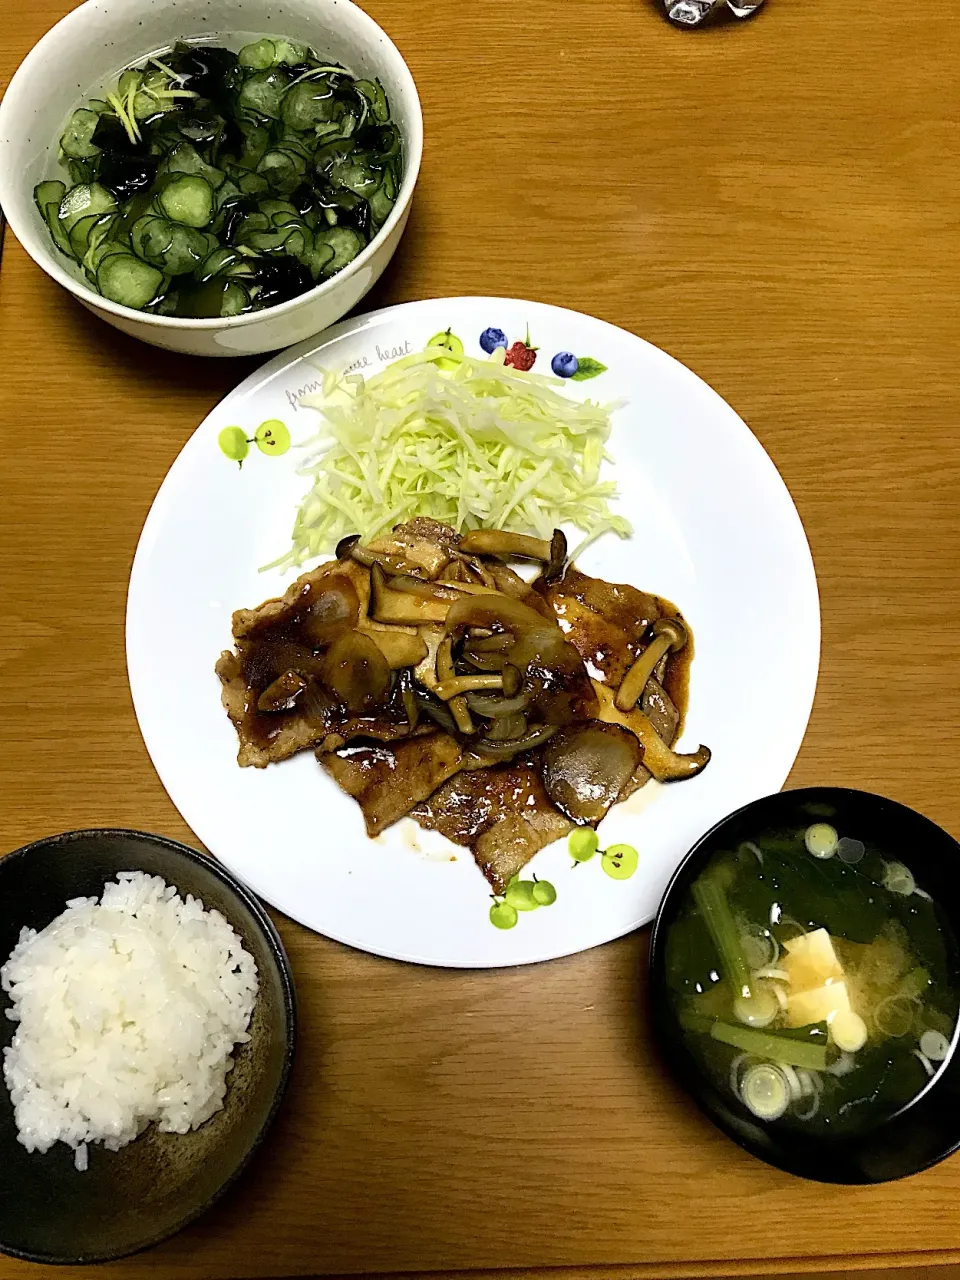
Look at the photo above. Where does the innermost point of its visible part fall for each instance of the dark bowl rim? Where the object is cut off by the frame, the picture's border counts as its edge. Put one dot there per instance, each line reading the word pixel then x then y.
pixel 282 962
pixel 684 1072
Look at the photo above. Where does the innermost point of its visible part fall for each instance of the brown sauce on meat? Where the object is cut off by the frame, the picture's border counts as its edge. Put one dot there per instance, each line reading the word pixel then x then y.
pixel 676 679
pixel 609 625
pixel 295 639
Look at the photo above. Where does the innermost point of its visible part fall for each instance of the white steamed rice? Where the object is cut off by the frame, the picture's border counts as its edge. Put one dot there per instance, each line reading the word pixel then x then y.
pixel 129 1010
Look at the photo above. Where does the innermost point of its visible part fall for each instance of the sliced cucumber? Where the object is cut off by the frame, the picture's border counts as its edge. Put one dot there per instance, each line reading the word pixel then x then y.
pixel 380 205
pixel 252 184
pixel 307 104
pixel 224 261
pixel 260 55
pixel 95 256
pixel 89 232
pixel 252 224
pixel 125 279
pixel 77 139
pixel 172 248
pixel 84 200
pixel 262 94
pixel 316 256
pixel 256 141
pixel 185 158
pixel 372 90
pixel 357 176
pixel 48 193
pixel 271 53
pixel 150 237
pixel 279 212
pixel 290 52
pixel 345 243
pixel 48 196
pixel 187 199
pixel 131 79
pixel 282 171
pixel 273 241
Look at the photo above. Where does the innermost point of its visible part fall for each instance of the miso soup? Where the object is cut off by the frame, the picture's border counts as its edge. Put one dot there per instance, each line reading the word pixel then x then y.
pixel 813 978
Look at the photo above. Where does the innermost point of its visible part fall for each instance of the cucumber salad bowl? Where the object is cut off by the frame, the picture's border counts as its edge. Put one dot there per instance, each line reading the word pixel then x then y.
pixel 213 177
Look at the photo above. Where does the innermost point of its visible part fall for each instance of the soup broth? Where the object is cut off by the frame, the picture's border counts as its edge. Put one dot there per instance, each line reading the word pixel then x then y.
pixel 813 979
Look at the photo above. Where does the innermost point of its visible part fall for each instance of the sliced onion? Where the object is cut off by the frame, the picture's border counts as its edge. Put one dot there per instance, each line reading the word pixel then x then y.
pixel 934 1045
pixel 809 1112
pixel 436 710
pixel 757 946
pixel 927 1064
pixel 764 1091
pixel 504 750
pixel 484 660
pixel 487 705
pixel 896 1012
pixel 507 728
pixel 495 643
pixel 282 693
pixel 793 1080
pixel 357 672
pixel 586 767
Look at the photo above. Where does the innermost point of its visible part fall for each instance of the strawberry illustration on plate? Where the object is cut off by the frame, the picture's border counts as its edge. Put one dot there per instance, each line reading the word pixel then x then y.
pixel 521 355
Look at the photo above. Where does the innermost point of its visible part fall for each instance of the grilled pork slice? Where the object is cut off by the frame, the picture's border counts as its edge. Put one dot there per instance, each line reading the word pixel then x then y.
pixel 388 780
pixel 421 546
pixel 609 626
pixel 502 814
pixel 271 686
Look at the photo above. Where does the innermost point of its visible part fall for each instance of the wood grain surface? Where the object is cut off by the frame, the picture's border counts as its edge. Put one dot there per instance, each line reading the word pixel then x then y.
pixel 776 204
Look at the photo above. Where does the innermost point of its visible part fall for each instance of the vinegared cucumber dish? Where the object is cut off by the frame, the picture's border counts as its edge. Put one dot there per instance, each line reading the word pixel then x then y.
pixel 208 183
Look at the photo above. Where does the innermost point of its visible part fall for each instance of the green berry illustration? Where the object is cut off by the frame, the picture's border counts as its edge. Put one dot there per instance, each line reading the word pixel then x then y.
pixel 583 844
pixel 503 916
pixel 521 896
pixel 446 338
pixel 233 443
pixel 620 861
pixel 272 437
pixel 544 893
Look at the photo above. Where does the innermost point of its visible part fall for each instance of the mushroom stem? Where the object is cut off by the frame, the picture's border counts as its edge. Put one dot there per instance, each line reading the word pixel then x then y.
pixel 669 635
pixel 453 685
pixel 445 672
pixel 495 542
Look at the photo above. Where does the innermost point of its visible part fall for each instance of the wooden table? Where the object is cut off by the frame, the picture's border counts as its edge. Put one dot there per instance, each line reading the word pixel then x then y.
pixel 775 203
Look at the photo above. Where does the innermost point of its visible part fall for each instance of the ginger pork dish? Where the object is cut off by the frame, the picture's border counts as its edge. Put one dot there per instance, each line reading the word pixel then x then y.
pixel 431 680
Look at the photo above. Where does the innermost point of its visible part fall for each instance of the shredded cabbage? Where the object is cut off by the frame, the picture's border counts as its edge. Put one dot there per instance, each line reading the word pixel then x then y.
pixel 474 443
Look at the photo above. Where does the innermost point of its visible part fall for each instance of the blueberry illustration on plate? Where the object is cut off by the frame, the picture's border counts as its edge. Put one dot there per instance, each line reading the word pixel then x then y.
pixel 490 339
pixel 564 364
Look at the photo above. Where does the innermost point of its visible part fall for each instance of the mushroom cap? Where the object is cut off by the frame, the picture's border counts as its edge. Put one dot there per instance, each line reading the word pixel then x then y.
pixel 674 629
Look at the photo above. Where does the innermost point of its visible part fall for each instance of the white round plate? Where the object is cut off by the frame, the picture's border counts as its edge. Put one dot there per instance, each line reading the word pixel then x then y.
pixel 715 532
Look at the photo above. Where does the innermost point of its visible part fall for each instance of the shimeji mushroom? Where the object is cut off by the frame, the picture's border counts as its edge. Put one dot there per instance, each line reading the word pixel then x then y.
pixel 669 636
pixel 664 763
pixel 497 542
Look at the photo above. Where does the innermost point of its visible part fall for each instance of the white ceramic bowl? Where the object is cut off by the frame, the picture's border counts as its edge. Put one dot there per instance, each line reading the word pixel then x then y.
pixel 93 44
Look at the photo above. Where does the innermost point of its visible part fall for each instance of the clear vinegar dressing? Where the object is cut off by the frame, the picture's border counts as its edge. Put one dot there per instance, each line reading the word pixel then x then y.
pixel 809 975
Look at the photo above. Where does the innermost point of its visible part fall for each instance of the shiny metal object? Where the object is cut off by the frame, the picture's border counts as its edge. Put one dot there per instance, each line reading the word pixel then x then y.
pixel 692 13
